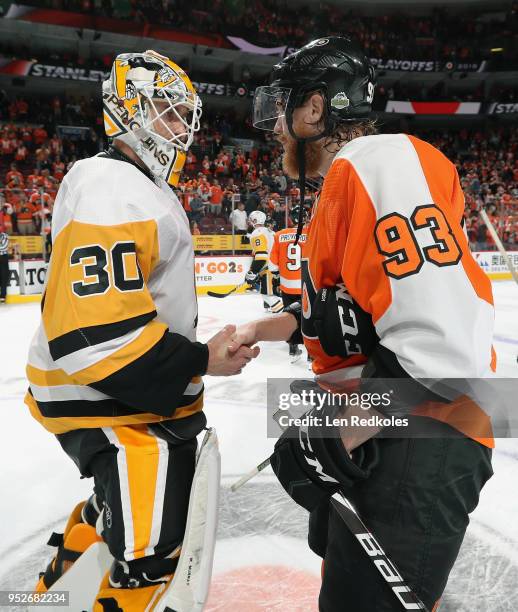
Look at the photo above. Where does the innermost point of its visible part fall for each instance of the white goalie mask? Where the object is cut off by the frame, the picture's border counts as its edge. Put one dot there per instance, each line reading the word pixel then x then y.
pixel 152 106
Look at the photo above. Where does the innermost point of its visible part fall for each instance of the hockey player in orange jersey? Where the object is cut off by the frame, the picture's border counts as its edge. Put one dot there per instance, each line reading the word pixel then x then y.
pixel 388 285
pixel 114 368
pixel 285 262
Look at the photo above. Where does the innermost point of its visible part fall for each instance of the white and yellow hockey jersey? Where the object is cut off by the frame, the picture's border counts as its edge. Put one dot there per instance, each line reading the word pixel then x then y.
pixel 117 339
pixel 261 241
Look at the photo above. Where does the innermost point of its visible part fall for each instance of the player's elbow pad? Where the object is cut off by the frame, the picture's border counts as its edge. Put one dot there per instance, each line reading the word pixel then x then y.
pixel 342 326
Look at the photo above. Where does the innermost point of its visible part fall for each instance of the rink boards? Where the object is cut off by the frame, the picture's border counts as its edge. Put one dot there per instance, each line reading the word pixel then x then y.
pixel 212 272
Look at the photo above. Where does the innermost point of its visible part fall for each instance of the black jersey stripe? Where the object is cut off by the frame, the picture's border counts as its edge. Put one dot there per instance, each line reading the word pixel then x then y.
pixel 155 382
pixel 105 408
pixel 95 334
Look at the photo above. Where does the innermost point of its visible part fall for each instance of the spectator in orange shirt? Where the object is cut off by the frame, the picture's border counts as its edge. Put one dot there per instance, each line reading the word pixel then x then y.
pixel 34 180
pixel 48 182
pixel 225 158
pixel 6 211
pixel 273 202
pixel 6 147
pixel 191 161
pixel 58 168
pixel 56 146
pixel 41 200
pixel 25 213
pixel 22 110
pixel 39 136
pixel 216 197
pixel 26 134
pixel 221 168
pixel 20 155
pixel 205 165
pixel 204 189
pixel 191 185
pixel 14 178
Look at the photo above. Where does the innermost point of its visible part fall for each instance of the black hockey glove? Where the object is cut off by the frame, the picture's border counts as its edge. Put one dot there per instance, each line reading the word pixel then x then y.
pixel 342 326
pixel 251 277
pixel 311 462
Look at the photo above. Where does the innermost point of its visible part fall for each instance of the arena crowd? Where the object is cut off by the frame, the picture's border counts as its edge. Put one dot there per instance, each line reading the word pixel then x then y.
pixel 221 175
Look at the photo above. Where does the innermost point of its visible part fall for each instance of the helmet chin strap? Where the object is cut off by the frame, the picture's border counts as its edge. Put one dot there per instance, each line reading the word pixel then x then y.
pixel 301 162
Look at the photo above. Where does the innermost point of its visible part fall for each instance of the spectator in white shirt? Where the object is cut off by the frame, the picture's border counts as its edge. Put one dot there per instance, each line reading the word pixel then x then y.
pixel 238 218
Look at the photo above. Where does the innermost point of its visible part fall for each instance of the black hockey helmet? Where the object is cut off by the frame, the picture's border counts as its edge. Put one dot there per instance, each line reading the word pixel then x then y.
pixel 295 214
pixel 336 66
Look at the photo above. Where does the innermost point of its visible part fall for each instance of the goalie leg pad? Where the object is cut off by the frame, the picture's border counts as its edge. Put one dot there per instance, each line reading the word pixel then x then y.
pixel 189 588
pixel 79 534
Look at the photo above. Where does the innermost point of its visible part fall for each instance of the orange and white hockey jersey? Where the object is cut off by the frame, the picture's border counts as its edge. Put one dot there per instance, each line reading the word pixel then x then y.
pixel 388 225
pixel 285 259
pixel 116 344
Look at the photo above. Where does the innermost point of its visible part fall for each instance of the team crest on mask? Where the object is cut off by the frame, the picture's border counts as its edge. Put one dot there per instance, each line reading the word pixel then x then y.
pixel 166 76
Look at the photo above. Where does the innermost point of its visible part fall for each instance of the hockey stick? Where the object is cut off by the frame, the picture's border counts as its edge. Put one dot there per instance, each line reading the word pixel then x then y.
pixel 408 599
pixel 236 288
pixel 222 295
pixel 249 475
pixel 346 511
pixel 499 245
pixel 259 468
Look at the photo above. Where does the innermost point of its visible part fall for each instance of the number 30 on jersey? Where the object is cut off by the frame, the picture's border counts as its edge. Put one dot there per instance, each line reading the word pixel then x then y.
pixel 102 269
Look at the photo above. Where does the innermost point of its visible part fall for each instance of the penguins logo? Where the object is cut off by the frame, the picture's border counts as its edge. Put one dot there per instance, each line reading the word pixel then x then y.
pixel 166 76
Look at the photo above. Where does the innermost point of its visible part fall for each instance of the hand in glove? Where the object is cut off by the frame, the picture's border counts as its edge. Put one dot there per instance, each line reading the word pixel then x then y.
pixel 251 277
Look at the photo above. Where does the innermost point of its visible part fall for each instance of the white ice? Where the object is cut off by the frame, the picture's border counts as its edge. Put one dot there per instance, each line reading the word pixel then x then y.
pixel 39 485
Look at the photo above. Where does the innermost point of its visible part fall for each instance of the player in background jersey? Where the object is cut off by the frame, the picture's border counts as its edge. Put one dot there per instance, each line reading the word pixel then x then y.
pixel 261 241
pixel 284 262
pixel 388 285
pixel 114 368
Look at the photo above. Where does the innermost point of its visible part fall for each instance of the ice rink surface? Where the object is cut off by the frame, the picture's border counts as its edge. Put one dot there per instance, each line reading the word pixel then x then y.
pixel 262 560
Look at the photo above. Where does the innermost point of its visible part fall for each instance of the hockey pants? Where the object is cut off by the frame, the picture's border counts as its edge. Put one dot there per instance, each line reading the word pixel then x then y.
pixel 416 503
pixel 142 477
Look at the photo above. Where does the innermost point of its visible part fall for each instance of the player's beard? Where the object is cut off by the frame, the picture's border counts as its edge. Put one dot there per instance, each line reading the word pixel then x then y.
pixel 312 154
